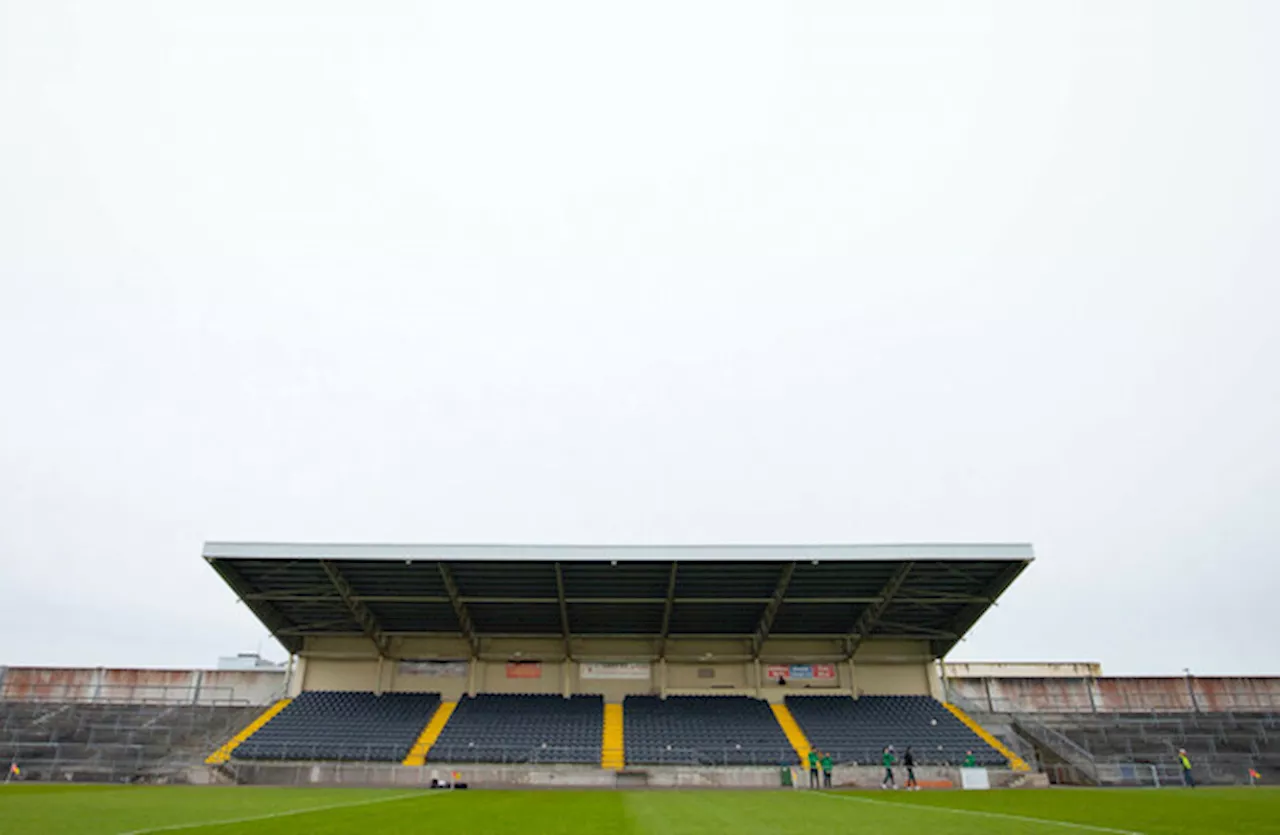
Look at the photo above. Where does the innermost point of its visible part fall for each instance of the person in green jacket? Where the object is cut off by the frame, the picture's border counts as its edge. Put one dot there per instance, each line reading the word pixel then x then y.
pixel 826 770
pixel 887 759
pixel 813 768
pixel 969 760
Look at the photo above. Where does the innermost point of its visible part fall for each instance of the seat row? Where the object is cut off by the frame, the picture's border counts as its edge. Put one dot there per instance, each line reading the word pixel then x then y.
pixel 692 730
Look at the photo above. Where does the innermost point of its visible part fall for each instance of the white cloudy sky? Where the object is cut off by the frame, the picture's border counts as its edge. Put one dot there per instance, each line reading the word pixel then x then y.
pixel 817 271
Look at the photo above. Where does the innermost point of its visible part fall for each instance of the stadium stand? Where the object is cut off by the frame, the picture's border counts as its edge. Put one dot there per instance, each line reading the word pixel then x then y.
pixel 857 730
pixel 703 730
pixel 517 728
pixel 111 742
pixel 331 725
pixel 1223 746
pixel 1091 745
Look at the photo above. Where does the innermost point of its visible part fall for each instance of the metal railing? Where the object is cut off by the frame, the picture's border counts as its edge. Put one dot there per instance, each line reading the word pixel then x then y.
pixel 705 756
pixel 1083 767
pixel 1247 702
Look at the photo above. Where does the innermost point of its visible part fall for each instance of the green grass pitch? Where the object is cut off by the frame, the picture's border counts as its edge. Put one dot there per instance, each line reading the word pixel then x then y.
pixel 106 810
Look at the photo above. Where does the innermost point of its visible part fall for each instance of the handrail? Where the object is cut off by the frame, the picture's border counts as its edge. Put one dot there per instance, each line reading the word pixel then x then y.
pixel 1064 747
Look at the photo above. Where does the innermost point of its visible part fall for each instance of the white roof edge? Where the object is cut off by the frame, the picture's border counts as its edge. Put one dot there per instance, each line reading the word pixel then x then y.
pixel 1013 552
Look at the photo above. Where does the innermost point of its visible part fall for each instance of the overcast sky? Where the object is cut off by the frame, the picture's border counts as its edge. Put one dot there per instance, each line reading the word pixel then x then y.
pixel 824 271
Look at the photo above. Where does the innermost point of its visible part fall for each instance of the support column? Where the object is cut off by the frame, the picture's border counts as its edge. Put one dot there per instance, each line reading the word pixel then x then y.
pixel 377 683
pixel 937 687
pixel 299 682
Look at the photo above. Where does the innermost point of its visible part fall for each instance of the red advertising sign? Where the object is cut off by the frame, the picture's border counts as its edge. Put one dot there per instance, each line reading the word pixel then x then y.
pixel 824 670
pixel 524 669
pixel 777 671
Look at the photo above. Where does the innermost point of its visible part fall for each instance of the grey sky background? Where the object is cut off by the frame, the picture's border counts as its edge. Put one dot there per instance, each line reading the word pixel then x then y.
pixel 662 272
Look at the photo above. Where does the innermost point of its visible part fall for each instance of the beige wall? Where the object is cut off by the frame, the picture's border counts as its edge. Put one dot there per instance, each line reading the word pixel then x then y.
pixel 334 674
pixel 881 666
pixel 892 680
pixel 894 667
pixel 687 676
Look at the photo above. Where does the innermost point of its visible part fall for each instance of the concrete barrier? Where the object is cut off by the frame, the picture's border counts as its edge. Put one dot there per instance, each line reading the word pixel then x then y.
pixel 483 776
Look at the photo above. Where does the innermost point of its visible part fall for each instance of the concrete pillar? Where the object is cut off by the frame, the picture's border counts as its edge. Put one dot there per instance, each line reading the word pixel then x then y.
pixel 936 687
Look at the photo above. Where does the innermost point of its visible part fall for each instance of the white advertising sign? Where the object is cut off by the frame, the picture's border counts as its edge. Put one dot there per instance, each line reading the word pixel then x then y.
pixel 434 669
pixel 630 672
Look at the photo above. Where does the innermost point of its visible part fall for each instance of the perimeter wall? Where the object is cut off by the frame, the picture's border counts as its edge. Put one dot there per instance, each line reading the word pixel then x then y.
pixel 618 668
pixel 1080 688
pixel 176 687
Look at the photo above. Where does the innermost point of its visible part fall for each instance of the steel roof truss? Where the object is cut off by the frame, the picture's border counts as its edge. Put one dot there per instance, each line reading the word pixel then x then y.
pixel 771 609
pixel 368 623
pixel 460 610
pixel 870 617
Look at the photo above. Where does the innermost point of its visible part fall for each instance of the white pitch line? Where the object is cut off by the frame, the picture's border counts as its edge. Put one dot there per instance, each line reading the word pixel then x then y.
pixel 1020 818
pixel 228 821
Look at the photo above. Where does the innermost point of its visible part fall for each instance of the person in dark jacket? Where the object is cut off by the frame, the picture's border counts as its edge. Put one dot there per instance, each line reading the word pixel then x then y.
pixel 909 763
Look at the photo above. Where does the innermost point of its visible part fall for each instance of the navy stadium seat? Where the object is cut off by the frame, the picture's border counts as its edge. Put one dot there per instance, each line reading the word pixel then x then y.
pixel 341 725
pixel 522 729
pixel 857 730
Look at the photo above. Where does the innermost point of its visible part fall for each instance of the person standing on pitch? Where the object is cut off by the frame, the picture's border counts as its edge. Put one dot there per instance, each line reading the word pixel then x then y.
pixel 814 783
pixel 909 763
pixel 826 769
pixel 887 759
pixel 1185 762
